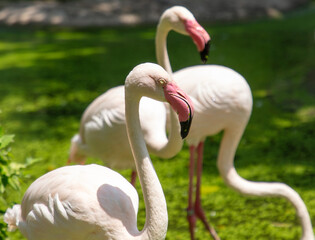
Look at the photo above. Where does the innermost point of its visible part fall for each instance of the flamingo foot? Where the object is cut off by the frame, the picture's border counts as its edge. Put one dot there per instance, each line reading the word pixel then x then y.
pixel 192 222
pixel 201 215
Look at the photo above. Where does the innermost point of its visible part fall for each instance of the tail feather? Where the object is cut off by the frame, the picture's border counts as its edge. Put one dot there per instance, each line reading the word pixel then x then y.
pixel 12 217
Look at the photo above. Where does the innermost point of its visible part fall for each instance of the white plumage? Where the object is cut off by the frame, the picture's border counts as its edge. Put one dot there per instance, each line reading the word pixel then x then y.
pixel 221 96
pixel 94 202
pixel 103 131
pixel 77 202
pixel 223 102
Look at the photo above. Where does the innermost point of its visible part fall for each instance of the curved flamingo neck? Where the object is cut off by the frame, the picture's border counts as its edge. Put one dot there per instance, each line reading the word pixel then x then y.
pixel 229 143
pixel 161 47
pixel 156 210
pixel 175 142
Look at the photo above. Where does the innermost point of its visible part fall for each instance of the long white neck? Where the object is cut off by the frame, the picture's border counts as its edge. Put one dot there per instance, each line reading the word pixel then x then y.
pixel 155 203
pixel 175 142
pixel 227 170
pixel 167 146
pixel 161 48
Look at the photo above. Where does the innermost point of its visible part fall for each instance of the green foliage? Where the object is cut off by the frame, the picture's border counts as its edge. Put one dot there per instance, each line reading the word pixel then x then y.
pixel 7 174
pixel 10 173
pixel 49 76
pixel 8 170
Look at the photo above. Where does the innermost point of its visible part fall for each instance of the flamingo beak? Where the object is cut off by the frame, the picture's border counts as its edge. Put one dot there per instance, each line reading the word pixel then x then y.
pixel 185 125
pixel 204 54
pixel 182 104
pixel 200 37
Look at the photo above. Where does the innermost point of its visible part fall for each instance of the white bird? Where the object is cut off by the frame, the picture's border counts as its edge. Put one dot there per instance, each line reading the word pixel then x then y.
pixel 103 132
pixel 223 102
pixel 94 202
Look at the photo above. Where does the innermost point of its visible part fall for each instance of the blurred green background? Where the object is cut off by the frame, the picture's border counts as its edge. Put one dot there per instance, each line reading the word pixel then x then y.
pixel 48 76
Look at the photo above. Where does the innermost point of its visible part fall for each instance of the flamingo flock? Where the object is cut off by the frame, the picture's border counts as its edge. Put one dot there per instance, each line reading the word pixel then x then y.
pixel 126 123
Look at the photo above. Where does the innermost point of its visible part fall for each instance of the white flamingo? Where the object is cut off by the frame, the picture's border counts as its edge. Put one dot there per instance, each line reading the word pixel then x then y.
pixel 222 101
pixel 94 202
pixel 102 129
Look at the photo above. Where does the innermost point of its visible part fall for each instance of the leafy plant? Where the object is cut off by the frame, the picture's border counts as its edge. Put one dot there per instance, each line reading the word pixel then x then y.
pixel 10 173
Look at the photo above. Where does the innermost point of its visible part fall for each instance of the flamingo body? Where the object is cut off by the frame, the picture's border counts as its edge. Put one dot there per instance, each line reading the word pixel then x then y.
pixel 94 202
pixel 221 98
pixel 79 202
pixel 223 102
pixel 103 133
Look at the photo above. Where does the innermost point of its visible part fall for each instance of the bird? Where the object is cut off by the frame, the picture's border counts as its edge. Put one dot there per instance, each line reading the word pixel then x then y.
pixel 181 20
pixel 77 202
pixel 103 132
pixel 223 102
pixel 103 121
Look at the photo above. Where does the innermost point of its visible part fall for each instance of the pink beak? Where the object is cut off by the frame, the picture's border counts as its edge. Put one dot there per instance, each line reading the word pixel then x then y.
pixel 181 104
pixel 200 37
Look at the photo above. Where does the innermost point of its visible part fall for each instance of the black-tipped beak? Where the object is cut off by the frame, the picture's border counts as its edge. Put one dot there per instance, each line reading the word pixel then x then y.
pixel 181 104
pixel 185 126
pixel 204 54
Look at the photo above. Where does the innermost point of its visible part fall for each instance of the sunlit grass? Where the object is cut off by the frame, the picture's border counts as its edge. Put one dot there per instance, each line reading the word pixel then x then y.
pixel 306 114
pixel 49 76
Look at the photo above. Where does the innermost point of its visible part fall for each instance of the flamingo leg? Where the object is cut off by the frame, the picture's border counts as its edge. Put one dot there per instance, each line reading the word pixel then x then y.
pixel 68 161
pixel 190 210
pixel 198 207
pixel 81 162
pixel 133 178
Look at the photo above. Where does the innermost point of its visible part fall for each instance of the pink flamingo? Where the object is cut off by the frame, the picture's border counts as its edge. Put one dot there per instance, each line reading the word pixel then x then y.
pixel 223 102
pixel 94 202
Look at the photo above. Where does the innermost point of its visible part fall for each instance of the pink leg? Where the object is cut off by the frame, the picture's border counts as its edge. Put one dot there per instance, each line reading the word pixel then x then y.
pixel 198 208
pixel 190 210
pixel 133 178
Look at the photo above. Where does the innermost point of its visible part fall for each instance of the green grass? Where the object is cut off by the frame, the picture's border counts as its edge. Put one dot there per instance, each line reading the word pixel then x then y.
pixel 49 76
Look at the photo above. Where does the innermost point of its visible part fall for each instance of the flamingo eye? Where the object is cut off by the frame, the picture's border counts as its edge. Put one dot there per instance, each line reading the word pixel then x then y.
pixel 162 81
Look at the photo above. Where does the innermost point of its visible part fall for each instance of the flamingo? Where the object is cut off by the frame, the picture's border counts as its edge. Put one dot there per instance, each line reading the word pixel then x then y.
pixel 102 129
pixel 94 202
pixel 223 102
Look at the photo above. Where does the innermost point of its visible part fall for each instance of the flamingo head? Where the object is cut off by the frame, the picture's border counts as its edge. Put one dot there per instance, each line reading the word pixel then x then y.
pixel 154 82
pixel 181 20
pixel 200 37
pixel 182 104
